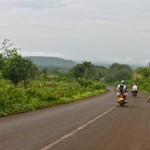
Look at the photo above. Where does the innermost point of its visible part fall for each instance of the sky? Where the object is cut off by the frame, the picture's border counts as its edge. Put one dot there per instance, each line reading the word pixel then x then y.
pixel 116 31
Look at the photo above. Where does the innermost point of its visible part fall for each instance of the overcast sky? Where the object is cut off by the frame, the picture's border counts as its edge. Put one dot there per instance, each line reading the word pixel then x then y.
pixel 91 30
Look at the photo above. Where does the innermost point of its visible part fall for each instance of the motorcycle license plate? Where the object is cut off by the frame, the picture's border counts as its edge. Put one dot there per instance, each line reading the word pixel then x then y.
pixel 120 98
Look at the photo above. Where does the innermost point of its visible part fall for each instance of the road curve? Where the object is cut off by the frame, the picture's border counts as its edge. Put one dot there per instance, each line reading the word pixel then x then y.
pixel 121 128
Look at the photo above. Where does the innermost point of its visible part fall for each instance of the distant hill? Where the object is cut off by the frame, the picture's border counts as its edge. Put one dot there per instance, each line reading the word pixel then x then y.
pixel 52 62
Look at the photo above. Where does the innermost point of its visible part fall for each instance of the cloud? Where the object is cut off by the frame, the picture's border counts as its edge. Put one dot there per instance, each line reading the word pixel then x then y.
pixel 101 21
pixel 48 54
pixel 78 28
pixel 37 4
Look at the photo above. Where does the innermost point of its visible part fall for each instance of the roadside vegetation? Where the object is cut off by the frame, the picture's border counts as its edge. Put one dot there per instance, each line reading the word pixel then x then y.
pixel 25 87
pixel 141 76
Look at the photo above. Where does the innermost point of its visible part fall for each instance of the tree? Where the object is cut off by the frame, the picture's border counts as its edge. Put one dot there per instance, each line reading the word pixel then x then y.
pixel 7 49
pixel 144 72
pixel 18 69
pixel 118 72
pixel 14 67
pixel 1 61
pixel 101 73
pixel 84 70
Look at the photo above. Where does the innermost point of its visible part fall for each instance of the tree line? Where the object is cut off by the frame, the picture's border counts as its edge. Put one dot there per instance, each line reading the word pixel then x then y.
pixel 17 69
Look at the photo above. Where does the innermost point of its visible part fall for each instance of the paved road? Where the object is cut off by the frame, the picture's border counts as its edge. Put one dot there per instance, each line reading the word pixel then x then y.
pixel 97 123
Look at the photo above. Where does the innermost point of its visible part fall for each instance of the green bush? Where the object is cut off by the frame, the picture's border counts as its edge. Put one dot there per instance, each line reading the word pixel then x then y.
pixel 40 93
pixel 11 99
pixel 98 85
pixel 84 82
pixel 17 99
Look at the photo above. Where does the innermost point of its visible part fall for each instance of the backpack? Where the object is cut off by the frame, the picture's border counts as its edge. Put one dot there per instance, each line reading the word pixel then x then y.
pixel 121 88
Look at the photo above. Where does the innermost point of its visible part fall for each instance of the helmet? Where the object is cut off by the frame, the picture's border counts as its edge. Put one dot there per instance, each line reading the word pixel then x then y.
pixel 122 81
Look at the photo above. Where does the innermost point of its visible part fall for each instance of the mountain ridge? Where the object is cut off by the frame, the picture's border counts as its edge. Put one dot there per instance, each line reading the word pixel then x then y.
pixel 55 62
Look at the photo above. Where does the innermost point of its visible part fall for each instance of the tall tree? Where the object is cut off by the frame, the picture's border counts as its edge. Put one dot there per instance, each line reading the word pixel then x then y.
pixel 18 69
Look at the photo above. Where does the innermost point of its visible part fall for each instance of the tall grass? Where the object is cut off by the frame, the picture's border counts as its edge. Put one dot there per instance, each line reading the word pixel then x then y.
pixel 43 94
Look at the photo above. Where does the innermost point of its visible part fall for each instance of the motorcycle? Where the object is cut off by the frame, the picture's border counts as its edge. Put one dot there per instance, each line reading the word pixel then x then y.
pixel 121 99
pixel 134 93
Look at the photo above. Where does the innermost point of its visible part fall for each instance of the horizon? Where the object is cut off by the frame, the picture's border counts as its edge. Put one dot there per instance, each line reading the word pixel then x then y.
pixel 103 63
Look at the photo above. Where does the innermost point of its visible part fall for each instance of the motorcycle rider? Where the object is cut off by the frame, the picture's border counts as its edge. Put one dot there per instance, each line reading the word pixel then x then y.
pixel 122 88
pixel 134 88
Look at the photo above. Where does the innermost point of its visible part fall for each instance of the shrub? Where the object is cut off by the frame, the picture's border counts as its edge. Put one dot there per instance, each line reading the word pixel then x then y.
pixel 41 94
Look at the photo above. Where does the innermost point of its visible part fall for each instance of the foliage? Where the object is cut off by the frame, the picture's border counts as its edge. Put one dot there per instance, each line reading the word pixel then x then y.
pixel 87 70
pixel 144 84
pixel 14 67
pixel 42 94
pixel 18 69
pixel 101 73
pixel 79 70
pixel 84 82
pixel 1 61
pixel 141 76
pixel 144 72
pixel 7 49
pixel 9 97
pixel 118 72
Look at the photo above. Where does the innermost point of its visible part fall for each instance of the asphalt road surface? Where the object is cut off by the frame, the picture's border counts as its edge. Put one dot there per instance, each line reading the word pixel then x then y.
pixel 96 123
